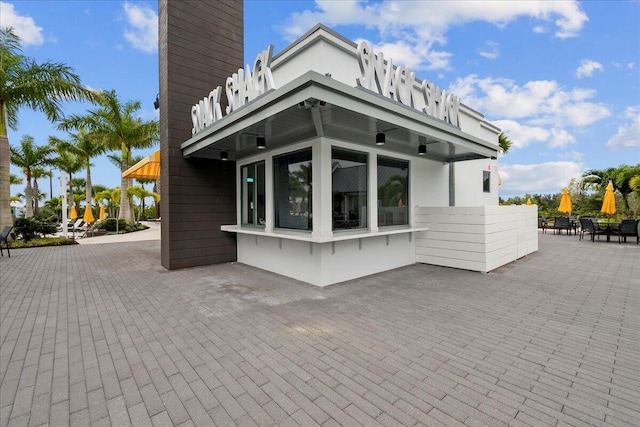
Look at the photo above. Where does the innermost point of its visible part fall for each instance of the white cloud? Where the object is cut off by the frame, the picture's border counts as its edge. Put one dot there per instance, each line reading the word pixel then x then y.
pixel 560 138
pixel 142 32
pixel 490 50
pixel 426 23
pixel 539 102
pixel 543 178
pixel 587 67
pixel 522 135
pixel 24 26
pixel 628 136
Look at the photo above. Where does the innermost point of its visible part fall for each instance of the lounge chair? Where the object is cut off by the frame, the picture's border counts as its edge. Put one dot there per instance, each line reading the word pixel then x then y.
pixel 588 226
pixel 628 228
pixel 4 239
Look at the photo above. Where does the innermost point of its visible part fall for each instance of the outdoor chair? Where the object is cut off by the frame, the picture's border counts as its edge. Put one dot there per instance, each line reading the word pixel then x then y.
pixel 561 223
pixel 542 223
pixel 628 228
pixel 4 239
pixel 588 226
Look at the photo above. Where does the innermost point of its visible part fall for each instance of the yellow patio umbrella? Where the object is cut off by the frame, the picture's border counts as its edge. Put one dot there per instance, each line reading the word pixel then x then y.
pixel 609 202
pixel 73 214
pixel 565 202
pixel 528 201
pixel 88 215
pixel 102 216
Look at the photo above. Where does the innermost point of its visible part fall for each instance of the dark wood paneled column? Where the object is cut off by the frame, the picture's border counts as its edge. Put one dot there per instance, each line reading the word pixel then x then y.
pixel 201 44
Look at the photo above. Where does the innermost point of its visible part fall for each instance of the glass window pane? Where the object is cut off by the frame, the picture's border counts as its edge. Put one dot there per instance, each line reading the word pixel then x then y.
pixel 349 187
pixel 260 195
pixel 292 176
pixel 393 192
pixel 252 199
pixel 486 181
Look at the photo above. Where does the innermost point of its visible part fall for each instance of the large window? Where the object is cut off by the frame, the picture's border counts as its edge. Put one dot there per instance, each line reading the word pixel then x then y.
pixel 393 192
pixel 349 189
pixel 292 188
pixel 253 195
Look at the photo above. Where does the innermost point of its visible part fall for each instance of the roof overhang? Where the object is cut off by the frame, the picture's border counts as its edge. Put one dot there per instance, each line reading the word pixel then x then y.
pixel 314 105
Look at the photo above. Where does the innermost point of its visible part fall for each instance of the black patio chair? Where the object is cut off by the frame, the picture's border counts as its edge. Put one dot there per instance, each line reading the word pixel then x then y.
pixel 561 223
pixel 4 239
pixel 588 226
pixel 628 228
pixel 542 223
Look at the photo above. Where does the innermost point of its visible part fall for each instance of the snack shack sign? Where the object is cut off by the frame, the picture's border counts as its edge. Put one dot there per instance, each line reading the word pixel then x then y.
pixel 376 74
pixel 240 88
pixel 397 83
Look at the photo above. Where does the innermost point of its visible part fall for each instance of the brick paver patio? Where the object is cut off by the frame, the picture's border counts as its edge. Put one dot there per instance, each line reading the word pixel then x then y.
pixel 102 335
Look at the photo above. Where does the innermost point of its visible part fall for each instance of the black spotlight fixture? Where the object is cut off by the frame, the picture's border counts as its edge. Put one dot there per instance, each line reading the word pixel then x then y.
pixel 380 138
pixel 224 156
pixel 261 143
pixel 422 149
pixel 156 103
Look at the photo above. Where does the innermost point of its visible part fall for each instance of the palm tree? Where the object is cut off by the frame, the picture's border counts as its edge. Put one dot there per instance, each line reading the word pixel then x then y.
pixel 38 173
pixel 86 147
pixel 29 157
pixel 141 194
pixel 25 83
pixel 114 124
pixel 504 142
pixel 15 179
pixel 66 162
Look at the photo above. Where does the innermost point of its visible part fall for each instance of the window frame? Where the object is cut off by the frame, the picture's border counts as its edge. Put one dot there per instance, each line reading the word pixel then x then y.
pixel 406 203
pixel 363 217
pixel 276 192
pixel 256 211
pixel 486 181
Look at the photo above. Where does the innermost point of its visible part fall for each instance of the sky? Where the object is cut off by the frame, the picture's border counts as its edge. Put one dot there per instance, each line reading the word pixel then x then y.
pixel 561 78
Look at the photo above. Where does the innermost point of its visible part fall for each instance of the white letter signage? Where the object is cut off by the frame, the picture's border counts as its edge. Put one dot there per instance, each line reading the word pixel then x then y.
pixel 397 84
pixel 240 88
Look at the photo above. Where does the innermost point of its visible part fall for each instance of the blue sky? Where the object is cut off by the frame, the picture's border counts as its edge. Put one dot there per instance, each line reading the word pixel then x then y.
pixel 562 78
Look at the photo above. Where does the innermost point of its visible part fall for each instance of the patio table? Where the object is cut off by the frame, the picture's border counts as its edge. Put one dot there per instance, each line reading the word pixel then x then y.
pixel 609 227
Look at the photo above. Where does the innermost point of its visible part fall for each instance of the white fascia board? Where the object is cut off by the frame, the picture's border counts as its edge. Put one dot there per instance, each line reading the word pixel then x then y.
pixel 317 86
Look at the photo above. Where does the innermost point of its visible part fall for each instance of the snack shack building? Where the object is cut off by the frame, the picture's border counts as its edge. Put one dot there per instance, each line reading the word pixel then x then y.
pixel 328 161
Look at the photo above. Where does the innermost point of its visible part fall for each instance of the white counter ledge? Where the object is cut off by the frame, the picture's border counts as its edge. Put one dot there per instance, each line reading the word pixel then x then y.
pixel 307 237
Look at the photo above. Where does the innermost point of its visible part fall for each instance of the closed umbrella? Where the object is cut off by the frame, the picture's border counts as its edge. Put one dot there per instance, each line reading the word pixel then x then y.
pixel 529 201
pixel 88 215
pixel 73 214
pixel 609 202
pixel 102 216
pixel 565 202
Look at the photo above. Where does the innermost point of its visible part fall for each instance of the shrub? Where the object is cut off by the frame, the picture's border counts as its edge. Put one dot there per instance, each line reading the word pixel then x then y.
pixel 28 228
pixel 110 224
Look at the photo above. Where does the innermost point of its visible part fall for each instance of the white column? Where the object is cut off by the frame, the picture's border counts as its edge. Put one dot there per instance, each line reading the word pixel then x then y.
pixel 372 190
pixel 322 222
pixel 269 203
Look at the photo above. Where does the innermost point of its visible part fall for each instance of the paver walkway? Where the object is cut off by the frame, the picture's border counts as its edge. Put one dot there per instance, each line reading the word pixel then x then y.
pixel 102 335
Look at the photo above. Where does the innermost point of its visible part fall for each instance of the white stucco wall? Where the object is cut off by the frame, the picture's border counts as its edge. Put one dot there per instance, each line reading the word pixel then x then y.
pixel 468 183
pixel 323 264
